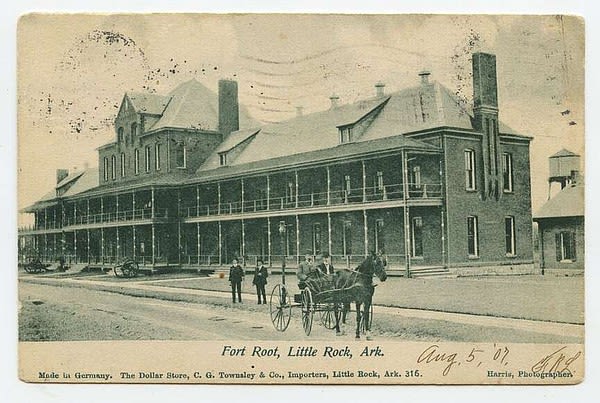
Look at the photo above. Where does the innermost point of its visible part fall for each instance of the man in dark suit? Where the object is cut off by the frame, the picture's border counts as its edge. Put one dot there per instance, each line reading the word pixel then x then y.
pixel 326 267
pixel 260 280
pixel 236 275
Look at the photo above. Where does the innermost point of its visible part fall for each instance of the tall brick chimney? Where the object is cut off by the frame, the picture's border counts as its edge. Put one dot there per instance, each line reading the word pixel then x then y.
pixel 61 174
pixel 229 112
pixel 485 111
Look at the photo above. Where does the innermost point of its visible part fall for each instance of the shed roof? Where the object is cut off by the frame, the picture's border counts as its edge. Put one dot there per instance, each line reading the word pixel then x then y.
pixel 569 202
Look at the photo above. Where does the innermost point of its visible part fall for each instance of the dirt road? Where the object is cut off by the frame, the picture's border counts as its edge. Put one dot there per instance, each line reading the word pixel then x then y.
pixel 78 310
pixel 67 313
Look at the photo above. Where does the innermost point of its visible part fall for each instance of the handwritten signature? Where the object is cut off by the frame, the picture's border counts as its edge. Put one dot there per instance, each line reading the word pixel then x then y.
pixel 557 361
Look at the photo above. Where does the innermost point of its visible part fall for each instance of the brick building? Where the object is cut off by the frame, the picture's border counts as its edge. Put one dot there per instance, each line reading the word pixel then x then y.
pixel 191 180
pixel 561 221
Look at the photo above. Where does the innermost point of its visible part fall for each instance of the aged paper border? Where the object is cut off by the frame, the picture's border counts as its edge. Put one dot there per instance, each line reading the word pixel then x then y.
pixel 590 325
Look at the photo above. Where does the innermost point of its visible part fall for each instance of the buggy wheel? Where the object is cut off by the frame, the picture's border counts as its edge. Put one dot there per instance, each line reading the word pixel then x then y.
pixel 130 269
pixel 280 307
pixel 27 268
pixel 363 327
pixel 328 316
pixel 116 271
pixel 307 310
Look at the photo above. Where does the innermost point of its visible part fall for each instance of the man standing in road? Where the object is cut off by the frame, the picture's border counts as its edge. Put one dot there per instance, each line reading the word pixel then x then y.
pixel 260 280
pixel 236 275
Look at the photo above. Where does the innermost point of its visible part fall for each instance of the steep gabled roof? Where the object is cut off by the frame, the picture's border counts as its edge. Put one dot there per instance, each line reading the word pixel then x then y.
pixel 413 109
pixel 151 104
pixel 193 106
pixel 80 181
pixel 302 134
pixel 88 179
pixel 569 202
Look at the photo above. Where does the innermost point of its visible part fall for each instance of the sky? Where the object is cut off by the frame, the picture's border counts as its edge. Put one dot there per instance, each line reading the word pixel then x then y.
pixel 73 71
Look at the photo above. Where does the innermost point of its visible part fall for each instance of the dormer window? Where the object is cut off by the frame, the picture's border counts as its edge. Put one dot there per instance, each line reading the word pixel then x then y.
pixel 120 135
pixel 345 134
pixel 223 159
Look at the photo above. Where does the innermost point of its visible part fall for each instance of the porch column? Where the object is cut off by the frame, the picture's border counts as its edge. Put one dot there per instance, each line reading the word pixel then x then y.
pixel 133 207
pixel 102 245
pixel 75 244
pixel 219 206
pixel 329 233
pixel 118 246
pixel 153 209
pixel 220 244
pixel 443 225
pixel 297 239
pixel 178 226
pixel 153 239
pixel 63 215
pixel 242 194
pixel 364 181
pixel 134 241
pixel 101 209
pixel 117 213
pixel 244 242
pixel 45 246
pixel 87 214
pixel 75 212
pixel 269 239
pixel 88 245
pixel 328 186
pixel 406 214
pixel 198 202
pixel 366 232
pixel 268 192
pixel 198 241
pixel 54 218
pixel 45 218
pixel 296 177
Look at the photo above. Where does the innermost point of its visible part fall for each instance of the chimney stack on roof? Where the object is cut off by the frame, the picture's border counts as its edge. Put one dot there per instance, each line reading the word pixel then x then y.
pixel 379 86
pixel 335 100
pixel 424 74
pixel 61 174
pixel 299 110
pixel 229 111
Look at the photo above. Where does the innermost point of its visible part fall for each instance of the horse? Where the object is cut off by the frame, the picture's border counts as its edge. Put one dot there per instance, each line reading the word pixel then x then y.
pixel 360 290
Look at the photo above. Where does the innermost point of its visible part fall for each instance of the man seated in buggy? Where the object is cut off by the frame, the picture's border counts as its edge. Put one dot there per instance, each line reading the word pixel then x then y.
pixel 305 269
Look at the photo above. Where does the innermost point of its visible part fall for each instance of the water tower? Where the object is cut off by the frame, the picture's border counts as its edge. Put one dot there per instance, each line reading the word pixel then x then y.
pixel 564 169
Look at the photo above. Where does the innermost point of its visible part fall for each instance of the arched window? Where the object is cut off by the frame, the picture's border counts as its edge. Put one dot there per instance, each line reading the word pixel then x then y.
pixel 120 135
pixel 122 165
pixel 133 131
pixel 136 161
pixel 105 166
pixel 113 166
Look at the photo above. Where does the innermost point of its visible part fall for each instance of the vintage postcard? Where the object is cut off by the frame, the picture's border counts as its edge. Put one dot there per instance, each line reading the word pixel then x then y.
pixel 301 199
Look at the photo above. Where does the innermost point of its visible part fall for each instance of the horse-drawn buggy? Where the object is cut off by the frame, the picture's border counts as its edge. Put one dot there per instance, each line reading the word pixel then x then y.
pixel 330 296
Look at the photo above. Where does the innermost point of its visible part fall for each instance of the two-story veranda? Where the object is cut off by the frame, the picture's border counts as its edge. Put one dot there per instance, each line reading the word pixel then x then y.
pixel 384 195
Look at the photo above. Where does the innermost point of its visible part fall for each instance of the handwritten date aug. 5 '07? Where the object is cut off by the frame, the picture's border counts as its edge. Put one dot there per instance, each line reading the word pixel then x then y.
pixel 433 354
